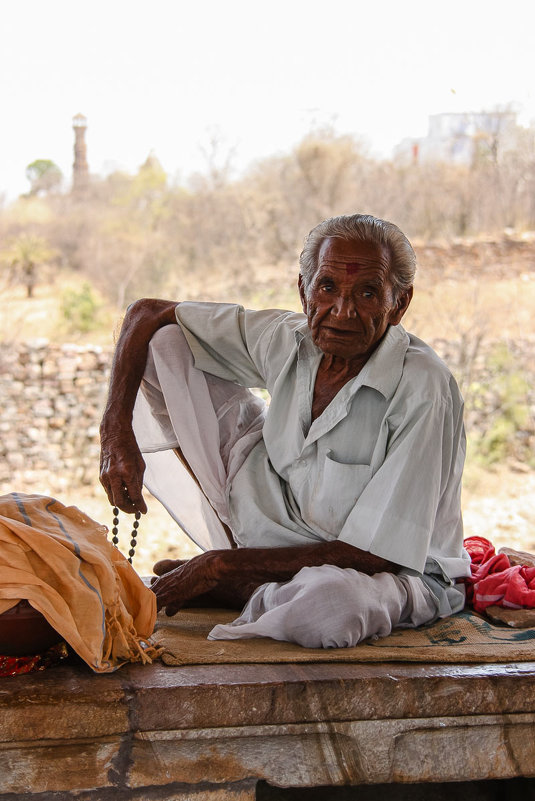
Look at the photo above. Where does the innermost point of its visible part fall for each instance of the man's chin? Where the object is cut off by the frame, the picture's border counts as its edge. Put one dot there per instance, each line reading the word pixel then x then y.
pixel 346 353
pixel 336 343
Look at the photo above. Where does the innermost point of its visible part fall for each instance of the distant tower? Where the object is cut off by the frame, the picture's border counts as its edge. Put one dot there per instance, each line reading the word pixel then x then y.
pixel 80 170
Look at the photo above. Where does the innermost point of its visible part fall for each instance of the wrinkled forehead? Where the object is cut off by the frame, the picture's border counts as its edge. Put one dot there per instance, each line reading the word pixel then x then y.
pixel 353 256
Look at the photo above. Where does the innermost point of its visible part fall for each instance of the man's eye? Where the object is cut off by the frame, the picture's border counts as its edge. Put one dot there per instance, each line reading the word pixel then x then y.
pixel 368 293
pixel 327 287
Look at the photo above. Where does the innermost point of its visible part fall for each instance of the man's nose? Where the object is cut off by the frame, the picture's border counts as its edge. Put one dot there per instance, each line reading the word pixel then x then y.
pixel 344 308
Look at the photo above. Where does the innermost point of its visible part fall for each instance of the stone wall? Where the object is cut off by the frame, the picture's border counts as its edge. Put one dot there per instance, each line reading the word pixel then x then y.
pixel 53 396
pixel 52 400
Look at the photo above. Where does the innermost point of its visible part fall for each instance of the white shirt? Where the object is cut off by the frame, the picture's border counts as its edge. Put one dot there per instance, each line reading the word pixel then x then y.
pixel 379 469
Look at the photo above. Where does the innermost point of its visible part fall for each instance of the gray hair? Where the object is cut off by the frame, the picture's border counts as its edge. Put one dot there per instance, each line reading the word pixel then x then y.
pixel 362 227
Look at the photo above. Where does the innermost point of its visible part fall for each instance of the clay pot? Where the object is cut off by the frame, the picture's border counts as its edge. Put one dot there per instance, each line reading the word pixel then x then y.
pixel 25 632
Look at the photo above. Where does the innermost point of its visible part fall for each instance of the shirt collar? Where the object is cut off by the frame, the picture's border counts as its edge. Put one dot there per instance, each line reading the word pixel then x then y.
pixel 302 332
pixel 384 368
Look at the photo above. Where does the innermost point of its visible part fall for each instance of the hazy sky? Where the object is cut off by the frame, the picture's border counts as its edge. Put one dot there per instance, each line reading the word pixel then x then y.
pixel 162 75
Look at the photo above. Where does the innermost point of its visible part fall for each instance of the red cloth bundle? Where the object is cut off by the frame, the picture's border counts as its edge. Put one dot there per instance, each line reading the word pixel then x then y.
pixel 494 582
pixel 15 665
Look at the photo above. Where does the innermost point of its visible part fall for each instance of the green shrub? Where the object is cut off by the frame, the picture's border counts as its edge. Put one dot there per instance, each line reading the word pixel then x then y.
pixel 80 309
pixel 501 399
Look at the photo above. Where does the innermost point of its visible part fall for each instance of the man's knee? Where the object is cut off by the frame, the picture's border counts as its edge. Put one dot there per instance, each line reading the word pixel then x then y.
pixel 168 353
pixel 169 335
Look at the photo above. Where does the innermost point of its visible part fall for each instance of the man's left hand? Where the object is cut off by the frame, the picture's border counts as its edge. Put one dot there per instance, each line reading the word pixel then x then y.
pixel 188 580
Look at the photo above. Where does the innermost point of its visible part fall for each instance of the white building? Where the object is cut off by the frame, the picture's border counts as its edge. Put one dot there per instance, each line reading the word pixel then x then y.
pixel 460 138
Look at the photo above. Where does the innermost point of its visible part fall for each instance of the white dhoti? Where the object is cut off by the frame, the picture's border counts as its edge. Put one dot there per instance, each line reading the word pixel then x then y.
pixel 331 607
pixel 216 423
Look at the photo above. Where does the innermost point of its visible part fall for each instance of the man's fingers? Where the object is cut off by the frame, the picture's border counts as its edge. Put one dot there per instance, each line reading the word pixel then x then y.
pixel 107 490
pixel 180 584
pixel 170 608
pixel 171 590
pixel 121 475
pixel 135 496
pixel 137 504
pixel 164 588
pixel 127 498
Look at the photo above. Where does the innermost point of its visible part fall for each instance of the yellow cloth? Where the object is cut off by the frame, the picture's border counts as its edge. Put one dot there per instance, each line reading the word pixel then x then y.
pixel 60 560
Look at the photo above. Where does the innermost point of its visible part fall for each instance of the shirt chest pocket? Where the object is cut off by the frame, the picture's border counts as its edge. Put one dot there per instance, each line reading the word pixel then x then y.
pixel 336 490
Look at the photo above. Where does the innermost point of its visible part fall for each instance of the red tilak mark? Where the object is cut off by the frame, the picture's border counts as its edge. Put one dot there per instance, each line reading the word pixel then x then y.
pixel 352 267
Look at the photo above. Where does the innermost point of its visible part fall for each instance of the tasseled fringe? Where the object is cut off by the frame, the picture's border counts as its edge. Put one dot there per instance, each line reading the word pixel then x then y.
pixel 122 643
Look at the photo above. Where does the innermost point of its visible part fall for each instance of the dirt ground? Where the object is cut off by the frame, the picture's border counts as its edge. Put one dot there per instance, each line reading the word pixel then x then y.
pixel 502 508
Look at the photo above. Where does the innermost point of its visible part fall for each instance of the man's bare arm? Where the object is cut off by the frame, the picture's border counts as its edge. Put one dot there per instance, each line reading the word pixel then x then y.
pixel 235 574
pixel 121 463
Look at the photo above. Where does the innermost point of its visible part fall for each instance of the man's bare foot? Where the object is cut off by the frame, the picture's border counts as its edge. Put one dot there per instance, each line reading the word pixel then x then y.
pixel 166 565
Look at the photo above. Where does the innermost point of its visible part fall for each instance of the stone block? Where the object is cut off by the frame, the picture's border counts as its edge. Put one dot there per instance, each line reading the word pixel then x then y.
pixel 49 368
pixel 357 752
pixel 15 460
pixel 43 409
pixel 33 371
pixel 88 362
pixel 210 696
pixel 322 754
pixel 227 756
pixel 496 750
pixel 55 706
pixel 62 720
pixel 57 767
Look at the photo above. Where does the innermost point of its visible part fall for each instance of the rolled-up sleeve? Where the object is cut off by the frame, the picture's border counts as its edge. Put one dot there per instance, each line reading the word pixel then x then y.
pixel 231 342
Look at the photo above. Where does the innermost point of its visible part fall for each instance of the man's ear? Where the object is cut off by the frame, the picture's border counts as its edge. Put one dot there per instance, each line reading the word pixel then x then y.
pixel 401 305
pixel 302 294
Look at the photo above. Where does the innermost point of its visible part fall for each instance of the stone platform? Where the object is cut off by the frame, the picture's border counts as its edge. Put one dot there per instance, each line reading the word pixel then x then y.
pixel 214 731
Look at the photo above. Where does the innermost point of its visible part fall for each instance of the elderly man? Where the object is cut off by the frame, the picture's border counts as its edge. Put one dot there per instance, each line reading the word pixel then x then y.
pixel 343 497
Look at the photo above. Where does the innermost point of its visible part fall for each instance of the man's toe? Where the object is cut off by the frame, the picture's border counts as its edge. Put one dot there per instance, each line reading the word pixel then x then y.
pixel 166 565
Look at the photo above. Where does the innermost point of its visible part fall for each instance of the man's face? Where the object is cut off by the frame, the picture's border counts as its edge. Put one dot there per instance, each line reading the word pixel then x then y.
pixel 350 302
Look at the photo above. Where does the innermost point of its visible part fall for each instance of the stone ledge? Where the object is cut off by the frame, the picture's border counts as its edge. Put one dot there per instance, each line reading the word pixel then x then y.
pixel 65 700
pixel 352 753
pixel 233 695
pixel 217 729
pixel 355 752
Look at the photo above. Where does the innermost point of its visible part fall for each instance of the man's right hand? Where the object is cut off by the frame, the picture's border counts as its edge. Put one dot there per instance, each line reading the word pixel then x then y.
pixel 121 471
pixel 121 463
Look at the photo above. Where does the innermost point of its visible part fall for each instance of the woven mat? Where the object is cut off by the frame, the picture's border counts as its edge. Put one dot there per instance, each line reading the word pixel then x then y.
pixel 466 637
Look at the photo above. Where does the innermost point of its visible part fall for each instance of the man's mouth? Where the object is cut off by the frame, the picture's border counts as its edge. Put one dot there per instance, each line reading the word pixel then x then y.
pixel 342 331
